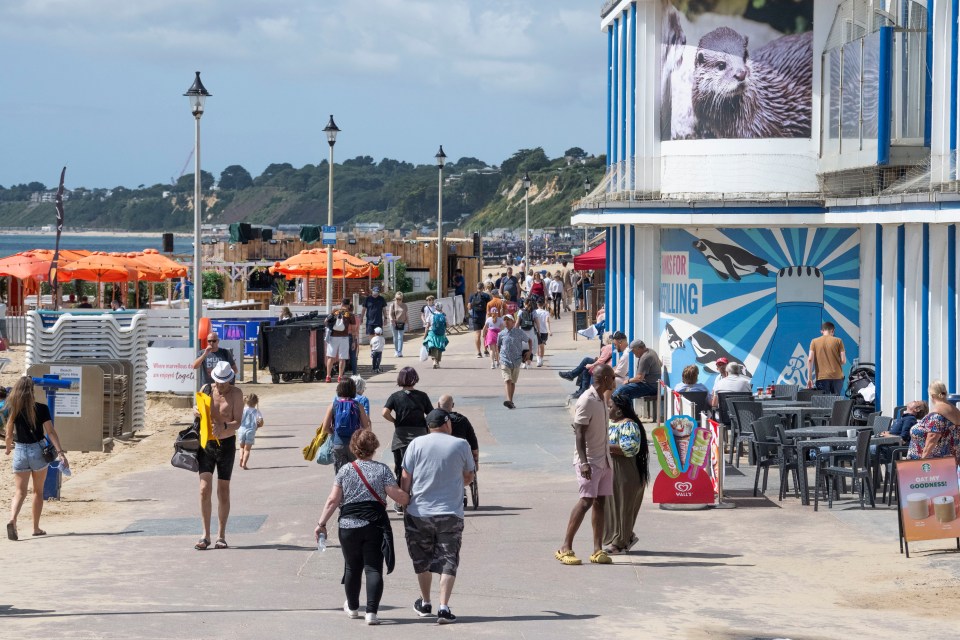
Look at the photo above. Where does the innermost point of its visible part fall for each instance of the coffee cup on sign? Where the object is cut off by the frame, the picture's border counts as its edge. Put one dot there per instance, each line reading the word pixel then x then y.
pixel 944 508
pixel 918 506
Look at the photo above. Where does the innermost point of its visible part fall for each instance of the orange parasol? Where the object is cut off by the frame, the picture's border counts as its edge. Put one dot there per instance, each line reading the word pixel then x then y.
pixel 35 264
pixel 107 267
pixel 154 260
pixel 312 263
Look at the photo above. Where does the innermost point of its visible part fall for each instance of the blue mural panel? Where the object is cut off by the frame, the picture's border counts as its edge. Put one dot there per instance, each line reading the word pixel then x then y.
pixel 758 297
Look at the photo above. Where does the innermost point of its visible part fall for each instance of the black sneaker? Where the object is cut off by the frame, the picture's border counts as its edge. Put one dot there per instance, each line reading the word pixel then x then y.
pixel 445 616
pixel 397 508
pixel 423 610
pixel 565 375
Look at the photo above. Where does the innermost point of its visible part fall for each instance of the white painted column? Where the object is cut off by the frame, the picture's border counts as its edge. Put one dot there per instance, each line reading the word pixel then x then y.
pixel 914 331
pixel 889 374
pixel 868 290
pixel 939 321
pixel 645 263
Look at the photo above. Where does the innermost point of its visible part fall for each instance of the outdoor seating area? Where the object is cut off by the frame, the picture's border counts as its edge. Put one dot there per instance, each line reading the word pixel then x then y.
pixel 813 445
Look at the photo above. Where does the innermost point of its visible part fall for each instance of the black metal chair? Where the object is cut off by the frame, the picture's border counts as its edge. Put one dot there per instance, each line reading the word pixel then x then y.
pixel 699 400
pixel 747 412
pixel 823 401
pixel 890 473
pixel 785 391
pixel 882 423
pixel 725 415
pixel 859 472
pixel 839 415
pixel 788 462
pixel 767 447
pixel 805 395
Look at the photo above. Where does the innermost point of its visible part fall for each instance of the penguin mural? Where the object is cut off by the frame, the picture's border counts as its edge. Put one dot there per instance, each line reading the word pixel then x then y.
pixel 709 351
pixel 730 261
pixel 673 339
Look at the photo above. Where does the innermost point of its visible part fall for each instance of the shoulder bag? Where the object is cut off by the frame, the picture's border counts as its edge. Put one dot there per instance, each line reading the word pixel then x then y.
pixel 325 452
pixel 47 451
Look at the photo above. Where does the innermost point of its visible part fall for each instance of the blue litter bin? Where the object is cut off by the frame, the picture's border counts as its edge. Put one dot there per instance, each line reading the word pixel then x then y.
pixel 51 486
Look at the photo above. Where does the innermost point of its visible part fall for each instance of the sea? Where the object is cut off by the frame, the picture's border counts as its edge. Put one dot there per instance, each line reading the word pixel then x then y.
pixel 11 243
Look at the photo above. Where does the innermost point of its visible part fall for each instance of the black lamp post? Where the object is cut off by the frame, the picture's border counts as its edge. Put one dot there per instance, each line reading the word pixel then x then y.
pixel 197 94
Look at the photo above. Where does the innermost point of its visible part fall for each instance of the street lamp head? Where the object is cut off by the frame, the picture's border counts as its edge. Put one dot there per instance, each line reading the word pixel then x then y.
pixel 587 187
pixel 441 157
pixel 331 130
pixel 197 94
pixel 526 181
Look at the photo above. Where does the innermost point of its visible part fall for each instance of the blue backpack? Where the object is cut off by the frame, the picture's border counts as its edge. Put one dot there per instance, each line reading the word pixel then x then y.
pixel 439 324
pixel 346 419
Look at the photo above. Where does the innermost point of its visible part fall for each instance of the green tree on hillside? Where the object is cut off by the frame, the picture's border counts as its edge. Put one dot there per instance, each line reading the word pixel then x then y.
pixel 235 177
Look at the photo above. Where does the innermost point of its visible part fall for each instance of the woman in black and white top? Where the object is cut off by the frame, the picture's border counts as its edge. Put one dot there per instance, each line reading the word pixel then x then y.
pixel 27 428
pixel 360 490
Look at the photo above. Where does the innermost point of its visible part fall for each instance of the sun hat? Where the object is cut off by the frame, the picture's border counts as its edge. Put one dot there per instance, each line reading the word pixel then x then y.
pixel 376 289
pixel 722 361
pixel 378 331
pixel 223 372
pixel 510 317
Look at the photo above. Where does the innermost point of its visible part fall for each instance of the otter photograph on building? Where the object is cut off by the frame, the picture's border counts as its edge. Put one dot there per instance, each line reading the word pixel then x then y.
pixel 731 70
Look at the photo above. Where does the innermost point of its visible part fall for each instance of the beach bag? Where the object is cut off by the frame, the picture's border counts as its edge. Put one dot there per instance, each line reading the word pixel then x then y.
pixel 439 324
pixel 185 448
pixel 325 452
pixel 310 451
pixel 346 419
pixel 526 321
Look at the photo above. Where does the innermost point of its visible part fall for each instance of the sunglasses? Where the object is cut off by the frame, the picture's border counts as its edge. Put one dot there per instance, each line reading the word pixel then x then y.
pixel 213 341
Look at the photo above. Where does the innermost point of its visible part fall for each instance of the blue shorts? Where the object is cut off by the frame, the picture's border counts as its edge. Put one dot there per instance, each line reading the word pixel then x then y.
pixel 246 436
pixel 27 457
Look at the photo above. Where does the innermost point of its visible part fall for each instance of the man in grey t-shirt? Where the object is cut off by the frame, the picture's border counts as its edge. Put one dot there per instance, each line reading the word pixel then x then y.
pixel 435 469
pixel 644 383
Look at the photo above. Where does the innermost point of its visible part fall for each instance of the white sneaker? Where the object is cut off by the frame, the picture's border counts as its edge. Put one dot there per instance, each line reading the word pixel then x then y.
pixel 493 365
pixel 353 614
pixel 539 362
pixel 371 618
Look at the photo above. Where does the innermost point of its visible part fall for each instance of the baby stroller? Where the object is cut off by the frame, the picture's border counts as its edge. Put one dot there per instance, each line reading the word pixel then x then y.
pixel 861 389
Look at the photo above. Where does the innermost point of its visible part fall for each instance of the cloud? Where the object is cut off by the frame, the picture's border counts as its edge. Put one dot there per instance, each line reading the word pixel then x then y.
pixel 500 44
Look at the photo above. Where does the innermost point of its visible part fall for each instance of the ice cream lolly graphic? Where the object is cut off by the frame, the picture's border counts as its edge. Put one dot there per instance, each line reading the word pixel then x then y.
pixel 666 452
pixel 700 451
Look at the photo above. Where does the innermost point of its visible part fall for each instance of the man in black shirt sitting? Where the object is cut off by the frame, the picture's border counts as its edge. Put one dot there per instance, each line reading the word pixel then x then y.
pixel 461 427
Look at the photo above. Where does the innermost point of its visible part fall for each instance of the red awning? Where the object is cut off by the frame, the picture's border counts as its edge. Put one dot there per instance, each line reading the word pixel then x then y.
pixel 596 258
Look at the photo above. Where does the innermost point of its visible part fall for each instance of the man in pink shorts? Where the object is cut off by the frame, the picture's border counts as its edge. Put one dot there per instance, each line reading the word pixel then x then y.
pixel 592 465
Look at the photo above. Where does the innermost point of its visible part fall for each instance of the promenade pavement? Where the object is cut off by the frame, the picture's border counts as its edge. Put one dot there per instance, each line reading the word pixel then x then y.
pixel 122 565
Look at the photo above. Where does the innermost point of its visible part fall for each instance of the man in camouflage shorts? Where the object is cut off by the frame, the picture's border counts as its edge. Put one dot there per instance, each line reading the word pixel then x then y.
pixel 435 469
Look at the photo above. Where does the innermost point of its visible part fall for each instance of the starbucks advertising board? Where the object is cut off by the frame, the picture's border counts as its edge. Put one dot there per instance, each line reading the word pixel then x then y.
pixel 929 499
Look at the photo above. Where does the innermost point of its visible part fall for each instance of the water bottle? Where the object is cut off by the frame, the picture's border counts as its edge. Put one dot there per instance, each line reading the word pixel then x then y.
pixel 65 469
pixel 322 542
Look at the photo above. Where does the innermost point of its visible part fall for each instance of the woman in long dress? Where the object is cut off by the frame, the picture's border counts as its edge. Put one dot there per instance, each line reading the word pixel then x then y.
pixel 436 340
pixel 628 449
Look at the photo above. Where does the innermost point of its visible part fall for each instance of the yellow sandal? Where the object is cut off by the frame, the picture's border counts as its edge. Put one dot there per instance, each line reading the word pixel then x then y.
pixel 567 557
pixel 601 557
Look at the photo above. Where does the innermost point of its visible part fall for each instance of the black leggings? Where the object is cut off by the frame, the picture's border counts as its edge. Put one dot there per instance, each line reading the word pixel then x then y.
pixel 398 461
pixel 557 298
pixel 362 555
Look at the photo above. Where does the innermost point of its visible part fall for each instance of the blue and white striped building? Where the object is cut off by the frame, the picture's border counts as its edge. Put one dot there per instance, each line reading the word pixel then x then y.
pixel 721 242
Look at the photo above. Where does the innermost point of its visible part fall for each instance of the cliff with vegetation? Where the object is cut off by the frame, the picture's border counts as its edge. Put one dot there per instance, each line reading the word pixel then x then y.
pixel 398 194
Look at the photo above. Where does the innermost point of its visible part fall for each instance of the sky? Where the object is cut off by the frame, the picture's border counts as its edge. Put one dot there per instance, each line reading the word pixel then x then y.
pixel 97 85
